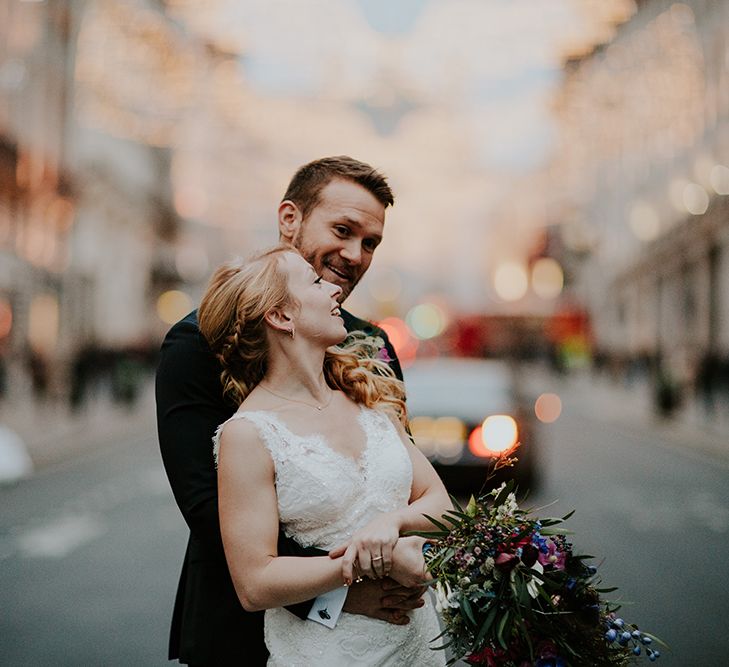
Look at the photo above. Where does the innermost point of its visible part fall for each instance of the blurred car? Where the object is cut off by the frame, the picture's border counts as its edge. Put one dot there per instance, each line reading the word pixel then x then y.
pixel 464 414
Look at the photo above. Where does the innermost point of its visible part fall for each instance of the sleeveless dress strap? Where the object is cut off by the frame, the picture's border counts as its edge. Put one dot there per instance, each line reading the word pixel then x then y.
pixel 273 434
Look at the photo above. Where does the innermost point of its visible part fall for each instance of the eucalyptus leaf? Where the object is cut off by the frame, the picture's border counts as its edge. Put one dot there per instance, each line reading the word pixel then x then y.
pixel 500 632
pixel 455 502
pixel 437 523
pixel 488 622
pixel 468 610
pixel 441 648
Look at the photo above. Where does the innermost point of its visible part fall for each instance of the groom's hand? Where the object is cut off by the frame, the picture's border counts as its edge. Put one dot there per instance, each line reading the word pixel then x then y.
pixel 391 598
pixel 408 564
pixel 384 599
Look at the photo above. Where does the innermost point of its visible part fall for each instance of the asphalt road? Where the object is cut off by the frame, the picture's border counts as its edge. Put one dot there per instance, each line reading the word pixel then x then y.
pixel 90 550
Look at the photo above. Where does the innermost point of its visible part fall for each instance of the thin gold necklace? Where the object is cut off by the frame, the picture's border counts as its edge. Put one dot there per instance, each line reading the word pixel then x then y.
pixel 296 400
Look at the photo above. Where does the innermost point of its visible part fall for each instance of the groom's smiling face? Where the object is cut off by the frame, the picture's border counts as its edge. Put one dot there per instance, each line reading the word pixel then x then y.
pixel 340 234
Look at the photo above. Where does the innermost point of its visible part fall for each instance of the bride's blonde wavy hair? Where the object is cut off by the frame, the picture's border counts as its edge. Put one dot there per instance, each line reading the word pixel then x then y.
pixel 232 320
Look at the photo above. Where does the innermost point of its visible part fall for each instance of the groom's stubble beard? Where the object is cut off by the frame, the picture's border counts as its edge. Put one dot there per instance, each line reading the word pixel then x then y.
pixel 310 255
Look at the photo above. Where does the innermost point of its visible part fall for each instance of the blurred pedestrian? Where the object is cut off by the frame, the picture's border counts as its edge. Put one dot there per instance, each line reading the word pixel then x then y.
pixel 37 365
pixel 707 382
pixel 352 483
pixel 333 212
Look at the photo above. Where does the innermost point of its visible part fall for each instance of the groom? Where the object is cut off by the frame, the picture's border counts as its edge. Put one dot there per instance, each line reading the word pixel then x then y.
pixel 333 212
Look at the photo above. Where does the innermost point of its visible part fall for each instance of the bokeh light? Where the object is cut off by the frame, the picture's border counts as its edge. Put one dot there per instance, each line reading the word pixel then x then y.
pixel 497 435
pixel 511 281
pixel 720 179
pixel 422 430
pixel 43 321
pixel 695 199
pixel 173 305
pixel 644 222
pixel 402 339
pixel 440 438
pixel 548 408
pixel 500 433
pixel 676 190
pixel 547 278
pixel 476 444
pixel 426 320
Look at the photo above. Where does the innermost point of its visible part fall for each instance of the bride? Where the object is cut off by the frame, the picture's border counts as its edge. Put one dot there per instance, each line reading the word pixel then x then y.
pixel 317 445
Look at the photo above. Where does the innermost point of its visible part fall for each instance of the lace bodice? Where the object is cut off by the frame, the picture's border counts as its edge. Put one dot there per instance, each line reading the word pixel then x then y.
pixel 325 496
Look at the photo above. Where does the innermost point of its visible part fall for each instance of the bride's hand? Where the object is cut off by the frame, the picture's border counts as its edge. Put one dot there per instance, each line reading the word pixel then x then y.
pixel 369 552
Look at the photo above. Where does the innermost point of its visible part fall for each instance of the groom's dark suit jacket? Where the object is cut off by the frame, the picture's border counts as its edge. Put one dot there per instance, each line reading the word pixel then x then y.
pixel 209 625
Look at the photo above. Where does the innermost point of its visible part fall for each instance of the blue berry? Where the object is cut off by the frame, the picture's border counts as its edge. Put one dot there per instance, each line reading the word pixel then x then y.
pixel 618 622
pixel 611 635
pixel 636 634
pixel 636 650
pixel 646 640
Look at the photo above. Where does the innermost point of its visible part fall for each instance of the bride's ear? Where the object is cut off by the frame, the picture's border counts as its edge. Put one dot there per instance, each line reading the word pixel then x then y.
pixel 279 319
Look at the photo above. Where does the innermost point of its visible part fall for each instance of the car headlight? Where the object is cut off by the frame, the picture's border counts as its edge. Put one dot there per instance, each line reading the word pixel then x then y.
pixel 440 438
pixel 497 436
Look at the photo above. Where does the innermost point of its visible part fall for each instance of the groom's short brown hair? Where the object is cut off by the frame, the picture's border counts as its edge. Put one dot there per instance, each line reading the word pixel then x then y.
pixel 308 182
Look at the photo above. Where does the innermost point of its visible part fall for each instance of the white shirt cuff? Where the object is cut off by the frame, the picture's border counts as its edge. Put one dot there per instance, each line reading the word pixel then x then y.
pixel 328 607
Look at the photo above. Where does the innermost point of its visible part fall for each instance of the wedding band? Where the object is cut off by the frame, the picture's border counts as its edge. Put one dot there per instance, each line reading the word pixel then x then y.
pixel 376 558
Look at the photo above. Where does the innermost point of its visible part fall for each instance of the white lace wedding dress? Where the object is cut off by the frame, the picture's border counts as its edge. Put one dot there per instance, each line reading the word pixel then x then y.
pixel 323 498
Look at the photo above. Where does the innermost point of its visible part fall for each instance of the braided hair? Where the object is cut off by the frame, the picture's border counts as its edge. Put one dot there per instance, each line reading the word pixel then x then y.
pixel 231 318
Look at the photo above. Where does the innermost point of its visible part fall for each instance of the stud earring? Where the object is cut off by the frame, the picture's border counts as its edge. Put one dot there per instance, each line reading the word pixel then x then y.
pixel 291 332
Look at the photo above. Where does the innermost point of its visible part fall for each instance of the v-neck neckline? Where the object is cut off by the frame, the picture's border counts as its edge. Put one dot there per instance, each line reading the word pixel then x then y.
pixel 359 462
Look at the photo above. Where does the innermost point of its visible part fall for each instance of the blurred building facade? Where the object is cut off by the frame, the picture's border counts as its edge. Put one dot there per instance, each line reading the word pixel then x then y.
pixel 641 187
pixel 86 222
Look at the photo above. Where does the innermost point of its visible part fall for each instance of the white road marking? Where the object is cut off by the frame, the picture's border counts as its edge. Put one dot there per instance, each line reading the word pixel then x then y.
pixel 82 518
pixel 60 536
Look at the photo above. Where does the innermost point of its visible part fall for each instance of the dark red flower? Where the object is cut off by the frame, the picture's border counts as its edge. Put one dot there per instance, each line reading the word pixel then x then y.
pixel 506 562
pixel 529 555
pixel 492 657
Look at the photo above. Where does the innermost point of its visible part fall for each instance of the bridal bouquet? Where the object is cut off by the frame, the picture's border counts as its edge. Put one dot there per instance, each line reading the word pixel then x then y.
pixel 512 591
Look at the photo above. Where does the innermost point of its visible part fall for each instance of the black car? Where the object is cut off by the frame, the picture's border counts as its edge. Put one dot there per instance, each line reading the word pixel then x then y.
pixel 465 414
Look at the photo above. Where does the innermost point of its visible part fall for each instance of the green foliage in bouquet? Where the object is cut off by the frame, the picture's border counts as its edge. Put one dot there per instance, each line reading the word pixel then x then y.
pixel 512 592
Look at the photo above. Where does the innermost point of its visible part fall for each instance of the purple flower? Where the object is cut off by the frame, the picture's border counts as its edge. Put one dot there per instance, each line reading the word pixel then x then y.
pixel 552 557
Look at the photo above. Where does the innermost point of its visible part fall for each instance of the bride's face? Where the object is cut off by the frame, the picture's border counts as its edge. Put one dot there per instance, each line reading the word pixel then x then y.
pixel 317 317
